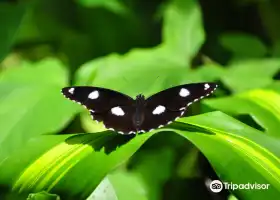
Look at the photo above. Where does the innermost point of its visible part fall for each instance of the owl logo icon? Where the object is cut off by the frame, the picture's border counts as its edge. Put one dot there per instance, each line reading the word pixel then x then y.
pixel 216 186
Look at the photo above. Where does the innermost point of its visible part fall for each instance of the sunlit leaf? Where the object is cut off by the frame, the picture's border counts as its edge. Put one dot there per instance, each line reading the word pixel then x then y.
pixel 243 46
pixel 238 153
pixel 183 30
pixel 262 105
pixel 43 196
pixel 31 103
pixel 250 74
pixel 104 191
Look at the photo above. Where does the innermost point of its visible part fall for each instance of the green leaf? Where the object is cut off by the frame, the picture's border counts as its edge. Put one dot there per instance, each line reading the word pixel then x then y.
pixel 209 72
pixel 153 176
pixel 262 105
pixel 261 72
pixel 158 70
pixel 237 152
pixel 183 31
pixel 104 191
pixel 43 196
pixel 11 16
pixel 31 103
pixel 243 45
pixel 55 163
pixel 128 185
pixel 112 5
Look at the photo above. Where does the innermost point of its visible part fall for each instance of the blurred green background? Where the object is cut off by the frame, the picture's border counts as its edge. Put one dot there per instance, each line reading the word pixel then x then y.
pixel 51 149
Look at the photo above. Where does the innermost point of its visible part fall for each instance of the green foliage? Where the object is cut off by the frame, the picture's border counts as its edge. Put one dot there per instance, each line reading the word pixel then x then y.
pixel 243 45
pixel 32 91
pixel 43 196
pixel 237 79
pixel 51 149
pixel 11 16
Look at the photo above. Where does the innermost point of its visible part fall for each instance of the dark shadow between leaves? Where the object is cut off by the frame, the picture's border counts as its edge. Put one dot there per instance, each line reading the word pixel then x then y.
pixel 108 140
pixel 249 120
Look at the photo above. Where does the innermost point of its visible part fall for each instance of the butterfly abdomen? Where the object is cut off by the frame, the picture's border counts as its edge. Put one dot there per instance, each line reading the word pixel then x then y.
pixel 139 116
pixel 138 119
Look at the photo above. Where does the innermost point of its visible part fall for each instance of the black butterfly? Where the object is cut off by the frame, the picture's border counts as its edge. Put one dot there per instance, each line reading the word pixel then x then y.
pixel 125 115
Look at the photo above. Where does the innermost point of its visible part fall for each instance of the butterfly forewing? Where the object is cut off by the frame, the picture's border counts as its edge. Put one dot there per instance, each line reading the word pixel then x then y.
pixel 181 96
pixel 96 99
pixel 167 105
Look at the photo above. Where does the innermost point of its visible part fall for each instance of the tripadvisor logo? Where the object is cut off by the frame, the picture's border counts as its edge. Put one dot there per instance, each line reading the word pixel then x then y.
pixel 217 186
pixel 245 186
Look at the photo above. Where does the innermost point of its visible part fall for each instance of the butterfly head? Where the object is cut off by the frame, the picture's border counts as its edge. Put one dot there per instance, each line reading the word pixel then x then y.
pixel 140 99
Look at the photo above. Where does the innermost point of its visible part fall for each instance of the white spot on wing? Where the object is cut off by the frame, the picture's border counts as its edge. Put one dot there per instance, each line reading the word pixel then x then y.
pixel 184 92
pixel 158 110
pixel 206 86
pixel 93 95
pixel 117 111
pixel 71 90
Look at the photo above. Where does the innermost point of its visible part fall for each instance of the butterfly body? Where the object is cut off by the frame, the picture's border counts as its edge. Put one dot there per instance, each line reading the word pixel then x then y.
pixel 139 115
pixel 121 113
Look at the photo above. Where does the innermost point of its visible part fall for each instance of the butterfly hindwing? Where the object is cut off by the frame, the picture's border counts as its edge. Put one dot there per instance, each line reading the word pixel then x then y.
pixel 118 119
pixel 153 121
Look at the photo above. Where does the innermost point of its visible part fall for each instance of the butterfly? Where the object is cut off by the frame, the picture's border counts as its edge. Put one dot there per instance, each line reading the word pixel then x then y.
pixel 125 115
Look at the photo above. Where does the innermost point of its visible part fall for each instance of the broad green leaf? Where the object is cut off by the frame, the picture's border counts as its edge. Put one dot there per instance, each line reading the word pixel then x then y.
pixel 11 16
pixel 31 103
pixel 43 196
pixel 153 176
pixel 275 86
pixel 276 49
pixel 187 168
pixel 112 5
pixel 139 71
pixel 237 152
pixel 128 185
pixel 104 191
pixel 243 45
pixel 55 163
pixel 262 105
pixel 209 72
pixel 183 32
pixel 250 74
